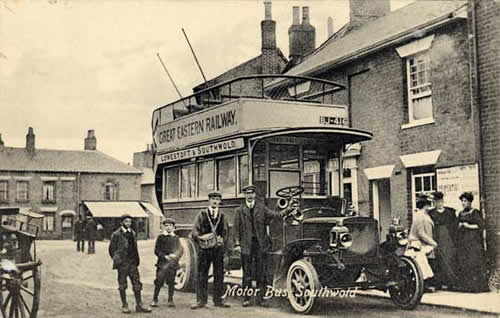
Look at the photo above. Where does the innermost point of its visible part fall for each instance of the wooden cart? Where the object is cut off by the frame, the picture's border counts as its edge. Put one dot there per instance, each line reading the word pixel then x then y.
pixel 19 266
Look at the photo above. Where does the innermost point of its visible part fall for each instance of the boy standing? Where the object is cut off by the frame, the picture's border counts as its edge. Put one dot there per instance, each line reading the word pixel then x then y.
pixel 169 250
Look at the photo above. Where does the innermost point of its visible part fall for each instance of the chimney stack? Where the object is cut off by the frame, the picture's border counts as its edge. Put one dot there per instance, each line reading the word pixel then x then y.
pixel 90 142
pixel 269 57
pixel 363 11
pixel 1 142
pixel 330 27
pixel 302 37
pixel 30 141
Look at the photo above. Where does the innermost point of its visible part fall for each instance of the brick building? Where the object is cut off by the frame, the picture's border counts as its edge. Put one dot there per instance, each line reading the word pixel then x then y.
pixel 57 183
pixel 424 80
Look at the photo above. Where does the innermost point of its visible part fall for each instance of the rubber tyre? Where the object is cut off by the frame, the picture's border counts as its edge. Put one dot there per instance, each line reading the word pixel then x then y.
pixel 408 295
pixel 302 283
pixel 185 278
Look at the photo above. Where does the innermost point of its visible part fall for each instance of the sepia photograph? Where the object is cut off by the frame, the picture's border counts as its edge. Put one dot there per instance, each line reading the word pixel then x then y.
pixel 249 158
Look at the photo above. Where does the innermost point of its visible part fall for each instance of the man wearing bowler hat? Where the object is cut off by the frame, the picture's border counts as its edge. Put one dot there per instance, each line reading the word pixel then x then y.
pixel 123 251
pixel 252 240
pixel 210 231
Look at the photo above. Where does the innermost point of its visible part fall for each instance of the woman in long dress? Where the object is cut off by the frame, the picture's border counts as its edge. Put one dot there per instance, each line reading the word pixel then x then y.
pixel 421 240
pixel 470 253
pixel 445 231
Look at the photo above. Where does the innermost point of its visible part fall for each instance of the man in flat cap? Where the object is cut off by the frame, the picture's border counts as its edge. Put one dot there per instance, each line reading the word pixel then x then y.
pixel 444 232
pixel 169 250
pixel 210 231
pixel 251 238
pixel 123 251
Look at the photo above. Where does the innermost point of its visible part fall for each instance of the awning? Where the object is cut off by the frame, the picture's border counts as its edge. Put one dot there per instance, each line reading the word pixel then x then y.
pixel 67 212
pixel 420 159
pixel 380 172
pixel 28 212
pixel 151 209
pixel 114 209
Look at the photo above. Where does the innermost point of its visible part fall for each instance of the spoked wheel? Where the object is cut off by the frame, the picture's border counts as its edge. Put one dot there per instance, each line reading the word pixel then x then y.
pixel 408 293
pixel 302 284
pixel 20 293
pixel 186 274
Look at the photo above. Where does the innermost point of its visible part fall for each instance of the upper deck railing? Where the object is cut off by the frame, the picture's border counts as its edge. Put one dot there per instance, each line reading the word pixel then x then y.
pixel 273 87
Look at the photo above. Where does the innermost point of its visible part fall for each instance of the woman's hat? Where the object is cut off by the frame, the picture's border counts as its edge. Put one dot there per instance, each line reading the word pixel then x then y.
pixel 438 195
pixel 467 195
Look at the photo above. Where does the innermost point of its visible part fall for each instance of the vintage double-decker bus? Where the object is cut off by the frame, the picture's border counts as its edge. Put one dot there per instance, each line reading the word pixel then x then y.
pixel 286 136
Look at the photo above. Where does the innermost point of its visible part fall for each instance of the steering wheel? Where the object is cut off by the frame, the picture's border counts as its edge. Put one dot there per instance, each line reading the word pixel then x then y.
pixel 289 192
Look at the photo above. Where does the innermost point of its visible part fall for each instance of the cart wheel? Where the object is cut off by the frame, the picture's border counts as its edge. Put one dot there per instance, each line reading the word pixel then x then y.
pixel 186 274
pixel 20 293
pixel 407 295
pixel 302 284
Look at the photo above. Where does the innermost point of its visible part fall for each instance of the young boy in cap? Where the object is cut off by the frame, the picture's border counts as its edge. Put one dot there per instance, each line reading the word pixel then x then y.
pixel 211 221
pixel 169 250
pixel 123 251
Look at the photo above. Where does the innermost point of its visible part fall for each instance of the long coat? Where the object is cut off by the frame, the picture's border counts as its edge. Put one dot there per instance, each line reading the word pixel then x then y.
pixel 243 226
pixel 91 230
pixel 118 247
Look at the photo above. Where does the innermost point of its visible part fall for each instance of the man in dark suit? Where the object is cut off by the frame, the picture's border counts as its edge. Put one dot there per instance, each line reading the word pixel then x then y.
pixel 91 231
pixel 211 226
pixel 80 234
pixel 123 251
pixel 251 238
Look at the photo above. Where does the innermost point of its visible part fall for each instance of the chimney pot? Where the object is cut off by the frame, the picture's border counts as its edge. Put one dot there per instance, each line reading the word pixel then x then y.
pixel 330 27
pixel 305 15
pixel 267 6
pixel 296 15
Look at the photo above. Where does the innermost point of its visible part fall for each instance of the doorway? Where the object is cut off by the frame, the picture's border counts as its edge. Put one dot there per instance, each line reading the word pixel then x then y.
pixel 382 205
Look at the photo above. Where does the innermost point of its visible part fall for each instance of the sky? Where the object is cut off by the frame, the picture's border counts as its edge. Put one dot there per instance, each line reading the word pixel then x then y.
pixel 67 66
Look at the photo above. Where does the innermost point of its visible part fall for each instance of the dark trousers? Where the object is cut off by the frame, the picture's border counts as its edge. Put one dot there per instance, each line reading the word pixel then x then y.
pixel 206 257
pixel 164 275
pixel 130 270
pixel 247 261
pixel 80 245
pixel 91 246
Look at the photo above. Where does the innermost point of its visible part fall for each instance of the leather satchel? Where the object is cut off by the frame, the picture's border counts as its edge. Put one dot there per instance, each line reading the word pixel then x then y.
pixel 209 240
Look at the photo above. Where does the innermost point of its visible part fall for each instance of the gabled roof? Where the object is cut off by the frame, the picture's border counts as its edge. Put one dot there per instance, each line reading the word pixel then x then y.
pixel 18 159
pixel 355 42
pixel 242 66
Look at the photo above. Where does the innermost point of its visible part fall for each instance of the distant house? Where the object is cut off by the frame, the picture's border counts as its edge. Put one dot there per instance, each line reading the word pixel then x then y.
pixel 56 183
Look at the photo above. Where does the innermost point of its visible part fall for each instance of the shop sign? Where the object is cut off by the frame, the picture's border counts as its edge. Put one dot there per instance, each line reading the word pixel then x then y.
pixel 453 181
pixel 205 150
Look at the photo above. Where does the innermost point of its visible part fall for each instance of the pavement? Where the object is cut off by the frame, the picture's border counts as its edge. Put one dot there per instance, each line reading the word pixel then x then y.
pixel 477 302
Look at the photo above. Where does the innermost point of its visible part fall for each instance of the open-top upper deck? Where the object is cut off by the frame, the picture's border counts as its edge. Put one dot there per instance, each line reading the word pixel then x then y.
pixel 247 106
